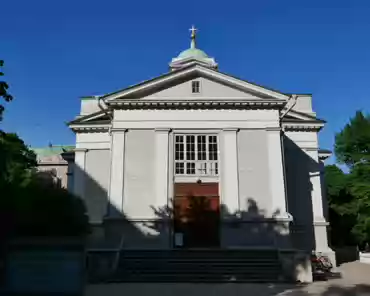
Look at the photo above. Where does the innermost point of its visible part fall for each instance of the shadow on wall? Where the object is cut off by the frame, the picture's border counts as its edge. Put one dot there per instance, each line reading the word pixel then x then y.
pixel 299 193
pixel 200 223
pixel 111 226
pixel 204 225
pixel 258 229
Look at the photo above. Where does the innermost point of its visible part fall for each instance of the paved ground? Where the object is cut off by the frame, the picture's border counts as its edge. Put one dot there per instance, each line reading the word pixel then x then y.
pixel 355 281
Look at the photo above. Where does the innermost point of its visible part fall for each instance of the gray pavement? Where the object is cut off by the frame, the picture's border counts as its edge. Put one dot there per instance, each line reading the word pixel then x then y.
pixel 355 281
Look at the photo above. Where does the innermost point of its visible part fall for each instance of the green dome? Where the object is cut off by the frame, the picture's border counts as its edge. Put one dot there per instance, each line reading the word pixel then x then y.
pixel 193 53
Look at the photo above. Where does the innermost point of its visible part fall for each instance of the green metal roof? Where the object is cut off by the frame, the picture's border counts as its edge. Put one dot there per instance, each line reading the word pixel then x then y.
pixel 52 150
pixel 193 53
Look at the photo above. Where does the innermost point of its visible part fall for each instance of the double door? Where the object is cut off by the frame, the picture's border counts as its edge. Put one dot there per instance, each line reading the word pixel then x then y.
pixel 196 221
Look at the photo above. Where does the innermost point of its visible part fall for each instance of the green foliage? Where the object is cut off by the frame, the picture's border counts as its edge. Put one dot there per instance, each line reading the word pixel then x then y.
pixel 17 161
pixel 349 194
pixel 352 144
pixel 342 206
pixel 3 91
pixel 31 205
pixel 42 209
pixel 336 180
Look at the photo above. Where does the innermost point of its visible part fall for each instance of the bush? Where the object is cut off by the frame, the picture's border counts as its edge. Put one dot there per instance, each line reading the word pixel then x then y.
pixel 41 209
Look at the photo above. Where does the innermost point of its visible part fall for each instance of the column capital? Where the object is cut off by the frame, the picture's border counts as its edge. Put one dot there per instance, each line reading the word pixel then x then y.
pixel 118 130
pixel 163 129
pixel 273 129
pixel 320 221
pixel 230 129
pixel 80 150
pixel 310 148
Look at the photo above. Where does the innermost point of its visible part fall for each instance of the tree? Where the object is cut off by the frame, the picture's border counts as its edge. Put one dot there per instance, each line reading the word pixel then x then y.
pixel 44 209
pixel 3 91
pixel 17 161
pixel 352 144
pixel 349 194
pixel 28 204
pixel 342 207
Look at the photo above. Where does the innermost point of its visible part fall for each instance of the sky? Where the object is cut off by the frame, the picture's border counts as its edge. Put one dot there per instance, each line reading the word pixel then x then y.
pixel 57 51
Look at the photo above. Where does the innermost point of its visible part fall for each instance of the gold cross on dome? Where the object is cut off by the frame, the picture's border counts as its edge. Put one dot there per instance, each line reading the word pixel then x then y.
pixel 193 31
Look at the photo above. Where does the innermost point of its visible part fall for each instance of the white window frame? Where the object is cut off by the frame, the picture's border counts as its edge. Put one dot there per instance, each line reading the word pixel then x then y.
pixel 192 87
pixel 212 166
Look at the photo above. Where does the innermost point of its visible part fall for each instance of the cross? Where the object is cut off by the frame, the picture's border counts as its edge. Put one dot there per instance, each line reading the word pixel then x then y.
pixel 193 31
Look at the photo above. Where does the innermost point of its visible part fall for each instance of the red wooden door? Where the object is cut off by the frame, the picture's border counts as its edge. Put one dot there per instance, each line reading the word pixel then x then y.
pixel 197 214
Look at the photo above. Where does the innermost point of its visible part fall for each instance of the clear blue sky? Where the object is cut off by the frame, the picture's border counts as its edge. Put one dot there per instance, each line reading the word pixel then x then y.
pixel 57 51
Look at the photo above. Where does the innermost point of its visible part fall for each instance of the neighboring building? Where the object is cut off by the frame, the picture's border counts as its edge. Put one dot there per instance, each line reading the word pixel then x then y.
pixel 199 158
pixel 52 165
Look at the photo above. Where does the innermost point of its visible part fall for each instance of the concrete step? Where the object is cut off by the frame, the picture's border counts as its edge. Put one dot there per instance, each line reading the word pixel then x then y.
pixel 198 266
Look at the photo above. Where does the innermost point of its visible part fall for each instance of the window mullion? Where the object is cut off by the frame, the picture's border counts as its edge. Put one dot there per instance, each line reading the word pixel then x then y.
pixel 196 154
pixel 185 154
pixel 206 159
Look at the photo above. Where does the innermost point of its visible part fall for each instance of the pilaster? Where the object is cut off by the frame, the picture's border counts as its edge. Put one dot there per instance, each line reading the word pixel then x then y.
pixel 229 170
pixel 319 222
pixel 161 166
pixel 117 173
pixel 79 173
pixel 276 174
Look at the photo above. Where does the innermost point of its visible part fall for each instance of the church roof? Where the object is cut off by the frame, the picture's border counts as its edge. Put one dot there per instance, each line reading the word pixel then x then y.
pixel 51 150
pixel 193 53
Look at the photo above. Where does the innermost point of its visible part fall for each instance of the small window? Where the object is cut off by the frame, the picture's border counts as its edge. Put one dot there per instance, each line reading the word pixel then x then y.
pixel 195 87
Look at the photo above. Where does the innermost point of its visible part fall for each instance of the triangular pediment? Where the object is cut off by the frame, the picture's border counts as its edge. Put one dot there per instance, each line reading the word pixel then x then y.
pixel 218 86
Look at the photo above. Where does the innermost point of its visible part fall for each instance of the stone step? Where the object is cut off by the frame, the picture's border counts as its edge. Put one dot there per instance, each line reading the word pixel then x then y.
pixel 198 266
pixel 174 277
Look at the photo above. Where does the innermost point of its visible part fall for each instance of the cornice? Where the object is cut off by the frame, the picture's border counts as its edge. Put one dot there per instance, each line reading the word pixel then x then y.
pixel 302 127
pixel 90 128
pixel 192 104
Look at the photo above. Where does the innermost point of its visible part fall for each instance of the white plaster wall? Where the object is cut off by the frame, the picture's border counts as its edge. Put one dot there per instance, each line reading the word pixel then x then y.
pixel 208 89
pixel 254 182
pixel 89 106
pixel 195 119
pixel 139 234
pixel 93 140
pixel 139 174
pixel 304 139
pixel 304 104
pixel 97 183
pixel 240 235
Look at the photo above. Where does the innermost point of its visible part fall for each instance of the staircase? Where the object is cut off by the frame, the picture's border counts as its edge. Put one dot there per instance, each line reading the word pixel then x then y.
pixel 198 266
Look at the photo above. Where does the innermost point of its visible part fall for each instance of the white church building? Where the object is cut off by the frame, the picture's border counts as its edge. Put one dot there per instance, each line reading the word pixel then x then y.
pixel 196 158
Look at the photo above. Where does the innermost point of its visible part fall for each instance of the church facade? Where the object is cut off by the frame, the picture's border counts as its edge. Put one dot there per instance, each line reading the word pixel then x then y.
pixel 197 158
